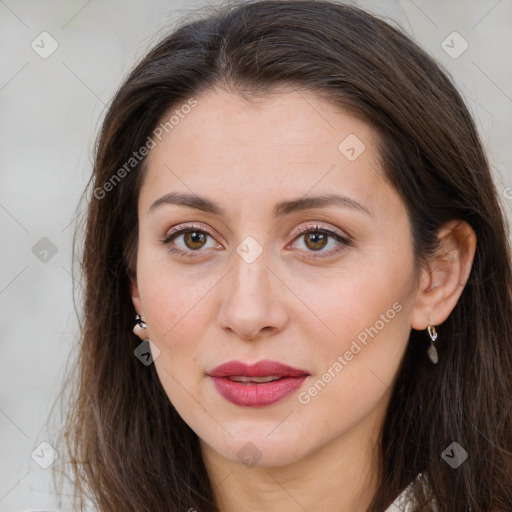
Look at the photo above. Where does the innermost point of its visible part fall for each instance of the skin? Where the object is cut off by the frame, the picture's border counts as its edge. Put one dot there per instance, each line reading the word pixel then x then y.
pixel 304 312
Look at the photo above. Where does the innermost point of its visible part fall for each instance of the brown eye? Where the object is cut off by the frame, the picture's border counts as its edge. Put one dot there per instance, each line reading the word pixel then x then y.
pixel 315 241
pixel 194 239
pixel 320 242
pixel 190 242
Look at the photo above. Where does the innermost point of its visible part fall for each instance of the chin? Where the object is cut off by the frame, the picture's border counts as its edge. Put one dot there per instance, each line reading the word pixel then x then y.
pixel 257 450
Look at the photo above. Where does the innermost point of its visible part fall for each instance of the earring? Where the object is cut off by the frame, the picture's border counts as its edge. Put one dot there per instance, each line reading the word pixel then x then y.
pixel 140 327
pixel 147 351
pixel 432 351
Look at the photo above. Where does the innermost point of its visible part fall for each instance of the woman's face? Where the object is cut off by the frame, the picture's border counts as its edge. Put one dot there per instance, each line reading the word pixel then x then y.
pixel 269 272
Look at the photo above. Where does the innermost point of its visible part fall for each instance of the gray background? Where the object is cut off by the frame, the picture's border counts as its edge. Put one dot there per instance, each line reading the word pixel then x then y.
pixel 51 110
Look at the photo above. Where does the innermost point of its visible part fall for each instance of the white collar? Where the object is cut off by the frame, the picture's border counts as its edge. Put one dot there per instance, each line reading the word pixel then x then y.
pixel 403 502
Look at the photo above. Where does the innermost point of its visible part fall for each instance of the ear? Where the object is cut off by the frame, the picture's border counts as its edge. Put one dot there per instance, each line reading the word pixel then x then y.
pixel 134 292
pixel 444 277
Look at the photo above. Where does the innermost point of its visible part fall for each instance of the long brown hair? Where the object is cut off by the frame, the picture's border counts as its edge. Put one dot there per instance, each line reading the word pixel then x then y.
pixel 128 447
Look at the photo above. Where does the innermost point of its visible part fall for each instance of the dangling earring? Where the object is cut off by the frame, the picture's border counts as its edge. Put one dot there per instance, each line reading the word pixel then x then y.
pixel 139 329
pixel 147 351
pixel 432 351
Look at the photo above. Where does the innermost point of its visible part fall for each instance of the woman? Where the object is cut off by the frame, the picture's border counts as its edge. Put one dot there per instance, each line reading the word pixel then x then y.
pixel 293 211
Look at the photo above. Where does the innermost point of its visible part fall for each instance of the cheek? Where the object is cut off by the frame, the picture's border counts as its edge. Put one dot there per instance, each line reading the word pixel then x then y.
pixel 355 367
pixel 354 299
pixel 174 301
pixel 366 308
pixel 175 306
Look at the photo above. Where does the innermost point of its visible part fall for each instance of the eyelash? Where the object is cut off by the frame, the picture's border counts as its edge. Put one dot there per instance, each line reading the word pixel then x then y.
pixel 344 241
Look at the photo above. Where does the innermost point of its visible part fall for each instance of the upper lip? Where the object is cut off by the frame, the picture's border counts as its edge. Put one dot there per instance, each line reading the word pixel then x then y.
pixel 260 369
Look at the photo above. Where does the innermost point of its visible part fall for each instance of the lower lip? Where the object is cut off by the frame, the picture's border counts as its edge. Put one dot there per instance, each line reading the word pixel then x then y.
pixel 257 395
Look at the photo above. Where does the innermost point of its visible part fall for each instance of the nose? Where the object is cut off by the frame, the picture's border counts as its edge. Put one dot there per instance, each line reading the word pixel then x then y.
pixel 254 298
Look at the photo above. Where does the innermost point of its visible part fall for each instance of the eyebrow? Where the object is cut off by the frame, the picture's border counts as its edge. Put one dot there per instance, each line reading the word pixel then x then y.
pixel 280 209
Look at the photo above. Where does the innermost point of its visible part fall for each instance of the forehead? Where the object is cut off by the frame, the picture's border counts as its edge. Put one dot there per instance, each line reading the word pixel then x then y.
pixel 292 140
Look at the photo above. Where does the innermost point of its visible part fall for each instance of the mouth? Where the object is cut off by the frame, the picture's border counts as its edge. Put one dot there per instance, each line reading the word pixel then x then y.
pixel 266 368
pixel 258 385
pixel 254 380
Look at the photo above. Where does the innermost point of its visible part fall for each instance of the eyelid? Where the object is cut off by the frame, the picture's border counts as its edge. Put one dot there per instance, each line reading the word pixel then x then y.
pixel 342 238
pixel 186 227
pixel 299 231
pixel 179 230
pixel 316 226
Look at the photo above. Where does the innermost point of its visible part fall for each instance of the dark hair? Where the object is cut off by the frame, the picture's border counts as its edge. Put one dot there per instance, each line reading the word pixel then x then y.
pixel 129 448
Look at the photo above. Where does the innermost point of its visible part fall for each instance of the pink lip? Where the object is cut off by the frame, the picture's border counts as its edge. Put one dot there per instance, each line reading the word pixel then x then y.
pixel 257 394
